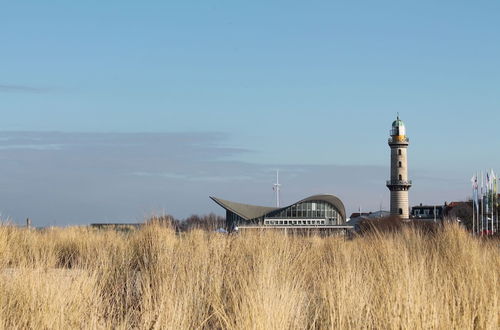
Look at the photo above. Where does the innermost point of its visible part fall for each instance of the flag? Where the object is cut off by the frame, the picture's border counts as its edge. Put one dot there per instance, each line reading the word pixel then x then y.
pixel 495 186
pixel 495 190
pixel 482 186
pixel 491 198
pixel 475 193
pixel 487 201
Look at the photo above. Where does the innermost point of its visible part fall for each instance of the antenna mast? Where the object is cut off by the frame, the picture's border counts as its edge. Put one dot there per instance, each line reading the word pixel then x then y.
pixel 276 188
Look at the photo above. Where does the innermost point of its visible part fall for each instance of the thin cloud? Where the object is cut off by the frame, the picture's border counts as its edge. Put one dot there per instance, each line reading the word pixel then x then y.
pixel 32 146
pixel 6 88
pixel 195 177
pixel 77 178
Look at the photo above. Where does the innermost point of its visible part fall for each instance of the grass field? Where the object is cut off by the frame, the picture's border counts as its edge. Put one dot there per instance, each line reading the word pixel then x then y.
pixel 154 279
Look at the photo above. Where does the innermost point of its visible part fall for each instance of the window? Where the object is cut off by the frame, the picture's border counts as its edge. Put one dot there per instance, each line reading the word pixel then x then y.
pixel 400 211
pixel 399 152
pixel 399 164
pixel 400 177
pixel 303 211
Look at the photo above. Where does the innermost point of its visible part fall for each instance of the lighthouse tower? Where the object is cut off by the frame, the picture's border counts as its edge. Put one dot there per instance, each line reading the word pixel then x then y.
pixel 399 184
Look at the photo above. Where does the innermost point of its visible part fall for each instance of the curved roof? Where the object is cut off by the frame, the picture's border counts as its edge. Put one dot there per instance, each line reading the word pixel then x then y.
pixel 334 200
pixel 247 211
pixel 398 123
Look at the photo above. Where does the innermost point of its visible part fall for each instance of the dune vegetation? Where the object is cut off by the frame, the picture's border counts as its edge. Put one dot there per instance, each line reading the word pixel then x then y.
pixel 155 278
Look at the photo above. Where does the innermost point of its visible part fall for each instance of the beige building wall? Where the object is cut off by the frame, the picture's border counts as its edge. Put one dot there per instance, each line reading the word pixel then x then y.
pixel 399 175
pixel 399 200
pixel 399 155
pixel 399 186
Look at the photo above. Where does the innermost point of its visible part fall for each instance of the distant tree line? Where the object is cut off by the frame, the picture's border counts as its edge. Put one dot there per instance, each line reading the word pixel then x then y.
pixel 392 224
pixel 461 211
pixel 208 222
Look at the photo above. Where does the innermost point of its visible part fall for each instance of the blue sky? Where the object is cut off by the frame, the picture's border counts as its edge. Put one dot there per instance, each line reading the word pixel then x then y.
pixel 236 89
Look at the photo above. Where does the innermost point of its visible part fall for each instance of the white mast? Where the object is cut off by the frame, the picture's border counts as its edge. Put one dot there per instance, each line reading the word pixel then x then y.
pixel 495 201
pixel 276 188
pixel 477 206
pixel 482 203
pixel 473 180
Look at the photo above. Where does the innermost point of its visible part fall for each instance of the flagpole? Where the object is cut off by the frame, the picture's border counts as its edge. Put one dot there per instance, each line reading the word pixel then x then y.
pixel 490 197
pixel 487 207
pixel 495 206
pixel 473 210
pixel 488 181
pixel 473 217
pixel 493 201
pixel 474 204
pixel 482 204
pixel 495 196
pixel 477 202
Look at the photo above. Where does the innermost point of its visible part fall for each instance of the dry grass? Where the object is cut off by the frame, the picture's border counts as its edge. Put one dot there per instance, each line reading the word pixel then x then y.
pixel 154 279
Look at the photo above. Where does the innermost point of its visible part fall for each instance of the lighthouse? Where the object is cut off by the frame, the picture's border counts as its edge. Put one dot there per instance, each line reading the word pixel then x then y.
pixel 399 184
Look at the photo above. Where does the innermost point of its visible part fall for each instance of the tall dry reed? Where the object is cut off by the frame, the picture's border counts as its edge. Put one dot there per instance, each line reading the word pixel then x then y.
pixel 153 278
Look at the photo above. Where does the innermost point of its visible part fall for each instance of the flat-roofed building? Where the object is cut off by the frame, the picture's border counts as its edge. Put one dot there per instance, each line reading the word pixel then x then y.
pixel 427 212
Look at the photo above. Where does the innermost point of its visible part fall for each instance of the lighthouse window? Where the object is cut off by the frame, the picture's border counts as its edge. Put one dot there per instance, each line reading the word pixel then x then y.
pixel 400 211
pixel 399 164
pixel 399 152
pixel 400 177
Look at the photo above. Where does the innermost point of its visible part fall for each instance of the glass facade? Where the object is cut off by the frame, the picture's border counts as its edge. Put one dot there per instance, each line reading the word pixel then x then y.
pixel 305 213
pixel 233 220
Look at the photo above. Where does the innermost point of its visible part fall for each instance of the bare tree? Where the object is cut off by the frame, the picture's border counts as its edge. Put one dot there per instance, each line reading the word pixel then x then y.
pixel 463 212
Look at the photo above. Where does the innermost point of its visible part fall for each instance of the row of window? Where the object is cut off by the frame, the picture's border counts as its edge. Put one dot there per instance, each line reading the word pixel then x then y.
pixel 312 209
pixel 426 212
pixel 294 222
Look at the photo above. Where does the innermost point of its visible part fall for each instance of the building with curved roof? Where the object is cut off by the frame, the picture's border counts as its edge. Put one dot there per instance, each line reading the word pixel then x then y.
pixel 314 211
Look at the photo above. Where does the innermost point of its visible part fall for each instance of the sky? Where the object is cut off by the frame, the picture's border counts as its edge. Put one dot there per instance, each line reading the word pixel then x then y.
pixel 118 110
